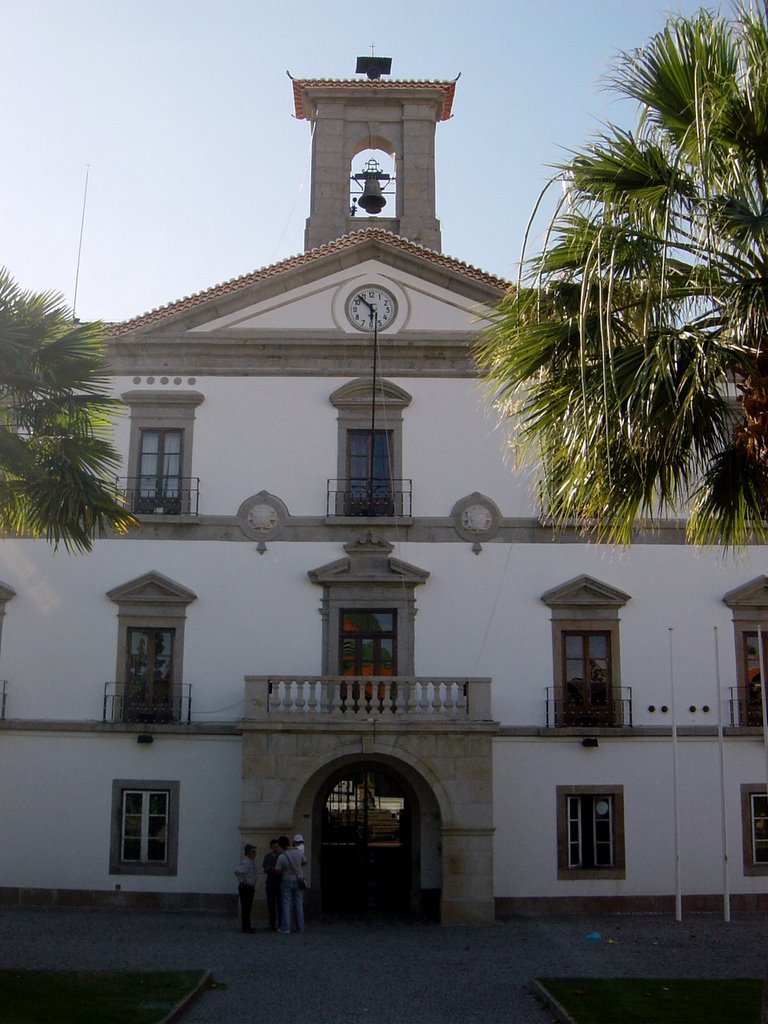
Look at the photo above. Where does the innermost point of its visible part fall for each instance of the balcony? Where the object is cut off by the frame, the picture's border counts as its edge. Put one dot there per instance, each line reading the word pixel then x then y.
pixel 125 704
pixel 744 711
pixel 378 496
pixel 615 711
pixel 170 496
pixel 362 698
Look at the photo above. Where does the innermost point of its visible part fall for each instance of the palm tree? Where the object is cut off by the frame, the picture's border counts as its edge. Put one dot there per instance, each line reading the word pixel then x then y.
pixel 635 349
pixel 57 463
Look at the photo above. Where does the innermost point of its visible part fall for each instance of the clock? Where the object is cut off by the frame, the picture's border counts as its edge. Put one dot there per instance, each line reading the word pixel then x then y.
pixel 371 306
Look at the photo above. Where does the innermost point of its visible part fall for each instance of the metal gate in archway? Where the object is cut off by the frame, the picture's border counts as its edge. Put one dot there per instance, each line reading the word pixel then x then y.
pixel 366 845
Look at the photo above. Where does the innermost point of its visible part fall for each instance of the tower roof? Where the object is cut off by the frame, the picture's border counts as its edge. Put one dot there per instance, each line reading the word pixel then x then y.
pixel 301 86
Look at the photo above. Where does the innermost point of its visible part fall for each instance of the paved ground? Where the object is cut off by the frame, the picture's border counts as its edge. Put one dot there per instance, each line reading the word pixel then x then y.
pixel 355 972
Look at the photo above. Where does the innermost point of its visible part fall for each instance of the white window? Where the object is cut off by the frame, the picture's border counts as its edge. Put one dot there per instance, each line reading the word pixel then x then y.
pixel 754 818
pixel 144 827
pixel 590 832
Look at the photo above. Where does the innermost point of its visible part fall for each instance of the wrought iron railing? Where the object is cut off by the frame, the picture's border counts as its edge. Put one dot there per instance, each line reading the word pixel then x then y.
pixel 169 496
pixel 3 686
pixel 616 710
pixel 743 711
pixel 363 497
pixel 365 697
pixel 124 703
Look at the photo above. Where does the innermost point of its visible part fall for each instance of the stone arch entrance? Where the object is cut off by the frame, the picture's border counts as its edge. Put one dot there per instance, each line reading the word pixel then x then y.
pixel 375 827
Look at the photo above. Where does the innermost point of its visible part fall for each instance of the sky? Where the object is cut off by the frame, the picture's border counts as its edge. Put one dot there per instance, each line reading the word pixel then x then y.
pixel 180 114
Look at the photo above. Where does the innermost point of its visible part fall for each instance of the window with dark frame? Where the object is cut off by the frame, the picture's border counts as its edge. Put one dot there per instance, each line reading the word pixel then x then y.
pixel 368 642
pixel 587 685
pixel 369 472
pixel 751 665
pixel 149 675
pixel 160 467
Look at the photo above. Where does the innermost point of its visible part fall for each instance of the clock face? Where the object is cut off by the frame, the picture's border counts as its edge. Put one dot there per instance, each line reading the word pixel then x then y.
pixel 371 306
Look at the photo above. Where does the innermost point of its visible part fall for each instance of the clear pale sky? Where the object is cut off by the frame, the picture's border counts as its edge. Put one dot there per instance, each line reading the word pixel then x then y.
pixel 198 170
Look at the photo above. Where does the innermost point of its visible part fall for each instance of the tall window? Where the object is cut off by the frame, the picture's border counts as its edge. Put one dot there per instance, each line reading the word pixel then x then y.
pixel 586 677
pixel 586 661
pixel 751 665
pixel 145 827
pixel 369 472
pixel 149 676
pixel 160 485
pixel 590 822
pixel 368 642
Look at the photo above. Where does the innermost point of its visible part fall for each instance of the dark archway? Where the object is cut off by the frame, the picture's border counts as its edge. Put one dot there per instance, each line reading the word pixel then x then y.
pixel 367 855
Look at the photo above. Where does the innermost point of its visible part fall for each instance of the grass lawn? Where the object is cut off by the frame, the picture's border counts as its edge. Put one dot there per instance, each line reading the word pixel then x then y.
pixel 91 997
pixel 658 1000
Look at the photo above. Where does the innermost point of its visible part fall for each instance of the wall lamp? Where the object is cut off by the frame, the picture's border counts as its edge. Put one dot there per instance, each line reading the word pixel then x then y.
pixel 144 737
pixel 590 741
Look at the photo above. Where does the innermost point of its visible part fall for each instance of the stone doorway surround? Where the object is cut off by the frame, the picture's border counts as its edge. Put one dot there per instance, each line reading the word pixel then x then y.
pixel 434 734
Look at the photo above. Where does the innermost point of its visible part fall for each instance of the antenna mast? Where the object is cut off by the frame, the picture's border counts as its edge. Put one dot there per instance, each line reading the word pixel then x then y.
pixel 80 243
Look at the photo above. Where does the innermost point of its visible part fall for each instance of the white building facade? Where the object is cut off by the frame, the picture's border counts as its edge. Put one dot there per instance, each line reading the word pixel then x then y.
pixel 344 613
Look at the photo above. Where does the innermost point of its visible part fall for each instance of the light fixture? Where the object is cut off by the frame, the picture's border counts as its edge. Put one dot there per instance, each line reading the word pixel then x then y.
pixel 144 737
pixel 590 741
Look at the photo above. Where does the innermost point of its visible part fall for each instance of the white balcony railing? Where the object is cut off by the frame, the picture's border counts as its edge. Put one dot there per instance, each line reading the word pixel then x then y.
pixel 354 697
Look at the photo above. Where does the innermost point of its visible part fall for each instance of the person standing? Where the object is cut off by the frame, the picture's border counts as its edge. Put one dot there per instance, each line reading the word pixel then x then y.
pixel 272 880
pixel 245 873
pixel 290 864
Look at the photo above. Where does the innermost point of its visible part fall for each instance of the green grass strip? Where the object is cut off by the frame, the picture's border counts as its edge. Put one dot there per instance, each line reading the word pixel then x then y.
pixel 658 1000
pixel 92 997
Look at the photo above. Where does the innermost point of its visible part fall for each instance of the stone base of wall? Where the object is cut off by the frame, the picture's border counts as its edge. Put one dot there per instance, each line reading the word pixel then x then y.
pixel 109 899
pixel 507 906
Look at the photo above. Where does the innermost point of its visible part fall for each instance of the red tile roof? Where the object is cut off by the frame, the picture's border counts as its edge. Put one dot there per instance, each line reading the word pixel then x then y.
pixel 330 249
pixel 366 85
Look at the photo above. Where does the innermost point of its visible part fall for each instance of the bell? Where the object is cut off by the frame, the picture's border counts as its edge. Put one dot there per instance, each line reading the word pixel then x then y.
pixel 372 201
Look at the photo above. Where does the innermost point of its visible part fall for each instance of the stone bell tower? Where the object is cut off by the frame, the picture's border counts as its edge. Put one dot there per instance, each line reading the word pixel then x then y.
pixel 351 116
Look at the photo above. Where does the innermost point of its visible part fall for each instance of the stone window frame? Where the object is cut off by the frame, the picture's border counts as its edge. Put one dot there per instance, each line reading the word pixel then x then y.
pixel 749 608
pixel 117 866
pixel 748 790
pixel 161 410
pixel 619 868
pixel 353 403
pixel 151 601
pixel 369 579
pixel 585 605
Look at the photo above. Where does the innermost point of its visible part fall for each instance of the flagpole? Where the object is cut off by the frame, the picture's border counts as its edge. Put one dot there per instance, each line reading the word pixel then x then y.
pixel 675 797
pixel 723 819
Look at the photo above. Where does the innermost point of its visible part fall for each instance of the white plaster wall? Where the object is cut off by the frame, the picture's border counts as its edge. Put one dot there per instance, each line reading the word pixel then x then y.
pixel 253 614
pixel 56 795
pixel 528 770
pixel 281 434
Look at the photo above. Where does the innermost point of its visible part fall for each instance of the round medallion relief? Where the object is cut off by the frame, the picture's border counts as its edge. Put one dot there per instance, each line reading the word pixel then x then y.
pixel 262 517
pixel 477 519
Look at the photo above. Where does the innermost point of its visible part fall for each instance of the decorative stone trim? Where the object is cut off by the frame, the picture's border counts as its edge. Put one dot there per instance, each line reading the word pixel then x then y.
pixel 262 515
pixel 476 518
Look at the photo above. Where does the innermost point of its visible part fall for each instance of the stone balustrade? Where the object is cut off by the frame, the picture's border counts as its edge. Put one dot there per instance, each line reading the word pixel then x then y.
pixel 353 698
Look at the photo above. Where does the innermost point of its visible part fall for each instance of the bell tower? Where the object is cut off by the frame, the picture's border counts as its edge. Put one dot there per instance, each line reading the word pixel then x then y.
pixel 352 116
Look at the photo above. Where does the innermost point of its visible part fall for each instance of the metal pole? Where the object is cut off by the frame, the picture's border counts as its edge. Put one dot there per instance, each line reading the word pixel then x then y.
pixel 723 819
pixel 375 318
pixel 675 798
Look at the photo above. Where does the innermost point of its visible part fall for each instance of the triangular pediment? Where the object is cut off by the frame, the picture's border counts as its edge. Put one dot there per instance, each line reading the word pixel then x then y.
pixel 750 595
pixel 152 588
pixel 369 561
pixel 303 291
pixel 585 592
